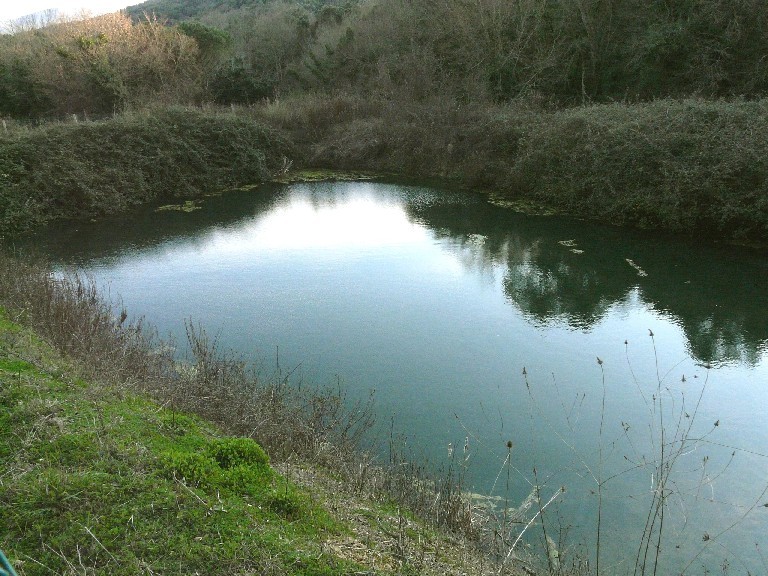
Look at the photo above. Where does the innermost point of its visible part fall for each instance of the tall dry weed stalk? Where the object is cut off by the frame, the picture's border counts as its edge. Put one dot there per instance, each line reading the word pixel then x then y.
pixel 675 433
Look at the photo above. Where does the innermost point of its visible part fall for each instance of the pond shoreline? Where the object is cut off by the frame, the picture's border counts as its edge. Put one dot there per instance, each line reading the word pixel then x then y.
pixel 473 227
pixel 695 174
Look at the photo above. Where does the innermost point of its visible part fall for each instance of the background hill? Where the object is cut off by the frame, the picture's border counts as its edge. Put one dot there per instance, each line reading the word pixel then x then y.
pixel 485 51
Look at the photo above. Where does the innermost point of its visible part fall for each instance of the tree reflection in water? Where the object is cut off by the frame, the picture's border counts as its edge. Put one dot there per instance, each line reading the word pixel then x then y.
pixel 564 271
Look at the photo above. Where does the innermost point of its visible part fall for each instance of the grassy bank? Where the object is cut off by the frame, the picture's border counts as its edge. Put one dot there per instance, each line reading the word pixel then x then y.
pixel 91 168
pixel 96 480
pixel 116 458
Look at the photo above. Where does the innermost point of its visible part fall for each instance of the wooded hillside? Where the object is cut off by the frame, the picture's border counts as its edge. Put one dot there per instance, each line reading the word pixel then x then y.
pixel 242 51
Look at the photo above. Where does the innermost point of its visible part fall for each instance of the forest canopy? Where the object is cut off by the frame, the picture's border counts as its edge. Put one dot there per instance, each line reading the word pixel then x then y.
pixel 555 53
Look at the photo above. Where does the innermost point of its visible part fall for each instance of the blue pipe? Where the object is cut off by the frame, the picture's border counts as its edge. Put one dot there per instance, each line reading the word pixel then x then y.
pixel 5 567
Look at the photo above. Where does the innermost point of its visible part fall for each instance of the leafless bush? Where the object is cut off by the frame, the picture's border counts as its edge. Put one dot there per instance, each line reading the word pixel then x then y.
pixel 68 312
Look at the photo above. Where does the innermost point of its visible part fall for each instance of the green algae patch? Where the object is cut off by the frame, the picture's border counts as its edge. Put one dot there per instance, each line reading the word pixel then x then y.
pixel 187 206
pixel 521 205
pixel 247 187
pixel 321 175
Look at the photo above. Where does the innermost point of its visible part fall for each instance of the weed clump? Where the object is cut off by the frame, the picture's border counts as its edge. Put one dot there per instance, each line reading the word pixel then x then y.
pixel 232 452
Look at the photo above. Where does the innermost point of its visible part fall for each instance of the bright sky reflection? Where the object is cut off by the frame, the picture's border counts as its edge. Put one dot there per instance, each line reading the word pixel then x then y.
pixel 299 225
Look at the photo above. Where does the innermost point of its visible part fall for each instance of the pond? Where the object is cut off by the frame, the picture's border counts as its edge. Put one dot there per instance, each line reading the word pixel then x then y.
pixel 591 349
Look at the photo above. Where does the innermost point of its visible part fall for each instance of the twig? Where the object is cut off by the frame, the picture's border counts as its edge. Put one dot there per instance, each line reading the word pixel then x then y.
pixel 188 489
pixel 100 544
pixel 528 525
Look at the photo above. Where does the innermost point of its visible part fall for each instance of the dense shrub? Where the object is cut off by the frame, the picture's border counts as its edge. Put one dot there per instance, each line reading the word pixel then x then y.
pixel 232 452
pixel 686 166
pixel 86 169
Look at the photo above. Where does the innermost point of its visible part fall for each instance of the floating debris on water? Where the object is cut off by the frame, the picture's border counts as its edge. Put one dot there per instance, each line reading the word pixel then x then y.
pixel 640 271
pixel 572 245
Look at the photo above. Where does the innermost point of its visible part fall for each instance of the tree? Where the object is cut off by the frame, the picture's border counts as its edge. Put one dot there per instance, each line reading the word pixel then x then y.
pixel 99 65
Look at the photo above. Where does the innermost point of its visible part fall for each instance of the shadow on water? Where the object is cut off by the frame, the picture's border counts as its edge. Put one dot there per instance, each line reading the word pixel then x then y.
pixel 561 270
pixel 79 243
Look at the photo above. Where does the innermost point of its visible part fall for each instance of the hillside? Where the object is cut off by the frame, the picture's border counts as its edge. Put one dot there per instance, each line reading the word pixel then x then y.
pixel 180 10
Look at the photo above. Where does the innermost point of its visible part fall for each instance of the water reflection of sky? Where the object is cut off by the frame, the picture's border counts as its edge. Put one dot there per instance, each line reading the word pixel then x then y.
pixel 299 225
pixel 439 304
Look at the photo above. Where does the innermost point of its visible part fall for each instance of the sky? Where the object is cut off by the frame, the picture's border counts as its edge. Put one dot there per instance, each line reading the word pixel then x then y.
pixel 13 10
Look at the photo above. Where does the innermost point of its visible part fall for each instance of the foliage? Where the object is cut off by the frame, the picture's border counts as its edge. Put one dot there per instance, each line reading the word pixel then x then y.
pixel 566 52
pixel 212 43
pixel 690 166
pixel 178 10
pixel 234 83
pixel 19 94
pixel 98 65
pixel 578 51
pixel 233 452
pixel 85 169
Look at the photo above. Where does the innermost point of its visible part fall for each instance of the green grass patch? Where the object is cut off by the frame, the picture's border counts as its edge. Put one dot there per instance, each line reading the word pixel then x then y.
pixel 113 483
pixel 5 324
pixel 16 366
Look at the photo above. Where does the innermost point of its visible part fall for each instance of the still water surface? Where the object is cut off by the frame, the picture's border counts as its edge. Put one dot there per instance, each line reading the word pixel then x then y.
pixel 477 326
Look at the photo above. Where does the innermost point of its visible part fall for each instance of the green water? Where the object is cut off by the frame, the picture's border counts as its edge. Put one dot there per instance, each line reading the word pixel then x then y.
pixel 440 301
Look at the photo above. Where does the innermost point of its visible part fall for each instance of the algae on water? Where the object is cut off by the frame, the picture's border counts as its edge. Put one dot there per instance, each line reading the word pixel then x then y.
pixel 187 206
